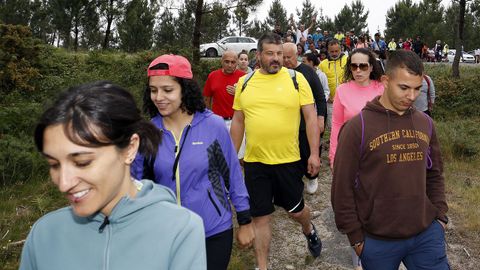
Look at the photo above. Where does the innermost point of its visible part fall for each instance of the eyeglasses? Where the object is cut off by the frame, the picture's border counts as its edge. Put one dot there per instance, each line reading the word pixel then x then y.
pixel 362 66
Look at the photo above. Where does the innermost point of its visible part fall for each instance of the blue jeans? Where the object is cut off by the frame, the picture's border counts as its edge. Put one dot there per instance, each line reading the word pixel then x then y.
pixel 425 251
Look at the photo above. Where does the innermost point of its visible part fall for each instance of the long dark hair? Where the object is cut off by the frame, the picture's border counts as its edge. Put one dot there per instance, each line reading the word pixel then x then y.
pixel 377 70
pixel 192 100
pixel 99 114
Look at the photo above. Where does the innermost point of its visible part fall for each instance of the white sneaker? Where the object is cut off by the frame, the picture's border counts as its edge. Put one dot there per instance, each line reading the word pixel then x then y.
pixel 312 186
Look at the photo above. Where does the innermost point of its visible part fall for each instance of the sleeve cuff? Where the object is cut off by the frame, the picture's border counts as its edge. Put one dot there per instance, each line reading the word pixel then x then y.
pixel 355 237
pixel 244 217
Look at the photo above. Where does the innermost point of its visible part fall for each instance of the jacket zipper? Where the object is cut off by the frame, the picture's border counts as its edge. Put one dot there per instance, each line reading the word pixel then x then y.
pixel 213 202
pixel 103 227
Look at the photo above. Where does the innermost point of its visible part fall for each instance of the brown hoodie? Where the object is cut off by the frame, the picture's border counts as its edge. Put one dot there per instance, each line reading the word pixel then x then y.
pixel 400 188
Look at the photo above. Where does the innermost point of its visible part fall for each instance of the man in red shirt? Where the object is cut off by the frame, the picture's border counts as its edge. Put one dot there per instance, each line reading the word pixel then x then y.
pixel 219 90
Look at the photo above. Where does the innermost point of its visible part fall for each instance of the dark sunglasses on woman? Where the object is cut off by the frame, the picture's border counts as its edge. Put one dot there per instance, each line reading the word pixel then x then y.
pixel 362 66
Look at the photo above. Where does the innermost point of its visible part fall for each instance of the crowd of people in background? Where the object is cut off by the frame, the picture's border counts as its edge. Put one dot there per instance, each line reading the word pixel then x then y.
pixel 267 119
pixel 316 40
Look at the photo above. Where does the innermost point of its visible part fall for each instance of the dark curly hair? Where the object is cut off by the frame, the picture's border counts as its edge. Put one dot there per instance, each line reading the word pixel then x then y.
pixel 377 70
pixel 192 99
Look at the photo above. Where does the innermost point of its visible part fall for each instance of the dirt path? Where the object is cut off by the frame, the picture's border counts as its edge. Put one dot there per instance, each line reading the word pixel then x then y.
pixel 289 251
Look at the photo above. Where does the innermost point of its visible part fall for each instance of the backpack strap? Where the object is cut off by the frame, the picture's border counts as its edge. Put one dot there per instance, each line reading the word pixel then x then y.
pixel 247 78
pixel 430 131
pixel 292 73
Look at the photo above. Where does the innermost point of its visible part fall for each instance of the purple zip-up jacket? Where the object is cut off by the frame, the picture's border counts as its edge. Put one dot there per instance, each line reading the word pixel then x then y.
pixel 209 172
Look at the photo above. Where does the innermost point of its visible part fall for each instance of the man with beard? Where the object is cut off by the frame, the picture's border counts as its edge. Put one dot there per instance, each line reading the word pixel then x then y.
pixel 267 107
pixel 333 67
pixel 290 61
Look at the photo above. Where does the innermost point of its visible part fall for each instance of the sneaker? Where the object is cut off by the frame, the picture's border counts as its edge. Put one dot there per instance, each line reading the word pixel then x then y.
pixel 314 243
pixel 312 185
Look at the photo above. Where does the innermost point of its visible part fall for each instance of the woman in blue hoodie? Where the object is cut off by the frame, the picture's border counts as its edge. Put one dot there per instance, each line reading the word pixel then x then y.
pixel 196 157
pixel 89 138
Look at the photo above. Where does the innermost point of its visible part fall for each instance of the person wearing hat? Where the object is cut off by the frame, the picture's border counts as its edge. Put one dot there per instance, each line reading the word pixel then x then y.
pixel 317 36
pixel 196 157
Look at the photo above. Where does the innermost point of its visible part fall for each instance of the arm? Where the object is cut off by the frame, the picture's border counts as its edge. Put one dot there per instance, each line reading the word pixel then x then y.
pixel 337 122
pixel 320 103
pixel 435 179
pixel 345 168
pixel 432 90
pixel 324 82
pixel 237 191
pixel 237 129
pixel 188 250
pixel 313 138
pixel 27 261
pixel 312 23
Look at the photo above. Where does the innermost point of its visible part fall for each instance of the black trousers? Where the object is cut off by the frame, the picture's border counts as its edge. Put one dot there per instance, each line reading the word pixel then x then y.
pixel 219 249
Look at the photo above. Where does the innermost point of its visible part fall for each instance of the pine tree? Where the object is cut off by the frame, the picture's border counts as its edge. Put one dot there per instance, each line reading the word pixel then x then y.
pixel 277 14
pixel 136 28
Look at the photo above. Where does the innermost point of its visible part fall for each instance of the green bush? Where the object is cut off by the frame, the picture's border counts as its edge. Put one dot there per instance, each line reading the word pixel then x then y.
pixel 19 160
pixel 18 59
pixel 455 98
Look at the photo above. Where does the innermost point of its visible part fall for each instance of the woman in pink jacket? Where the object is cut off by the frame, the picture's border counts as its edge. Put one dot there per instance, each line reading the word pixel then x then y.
pixel 362 84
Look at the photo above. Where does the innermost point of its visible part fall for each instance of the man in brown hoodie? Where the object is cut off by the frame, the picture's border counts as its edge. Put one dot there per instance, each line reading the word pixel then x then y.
pixel 388 191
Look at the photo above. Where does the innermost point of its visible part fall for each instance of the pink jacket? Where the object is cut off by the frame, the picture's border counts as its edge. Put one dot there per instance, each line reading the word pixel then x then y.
pixel 349 99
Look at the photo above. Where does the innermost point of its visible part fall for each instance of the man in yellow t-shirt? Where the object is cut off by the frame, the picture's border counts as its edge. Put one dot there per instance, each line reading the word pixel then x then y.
pixel 267 108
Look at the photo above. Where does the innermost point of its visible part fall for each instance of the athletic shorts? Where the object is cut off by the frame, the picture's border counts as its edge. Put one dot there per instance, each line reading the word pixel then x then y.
pixel 269 185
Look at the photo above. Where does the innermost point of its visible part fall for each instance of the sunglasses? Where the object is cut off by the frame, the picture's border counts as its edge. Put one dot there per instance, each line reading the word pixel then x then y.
pixel 362 66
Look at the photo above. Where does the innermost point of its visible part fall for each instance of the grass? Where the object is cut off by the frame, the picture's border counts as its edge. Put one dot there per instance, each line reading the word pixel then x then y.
pixel 22 204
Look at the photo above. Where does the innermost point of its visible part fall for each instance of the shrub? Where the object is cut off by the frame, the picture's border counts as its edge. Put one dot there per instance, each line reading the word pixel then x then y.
pixel 18 59
pixel 455 98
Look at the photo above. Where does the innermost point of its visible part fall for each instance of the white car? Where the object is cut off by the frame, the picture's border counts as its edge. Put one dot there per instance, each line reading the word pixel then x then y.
pixel 236 44
pixel 467 58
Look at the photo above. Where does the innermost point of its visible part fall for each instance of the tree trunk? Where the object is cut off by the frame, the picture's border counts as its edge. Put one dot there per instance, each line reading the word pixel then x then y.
pixel 459 41
pixel 109 25
pixel 197 33
pixel 75 44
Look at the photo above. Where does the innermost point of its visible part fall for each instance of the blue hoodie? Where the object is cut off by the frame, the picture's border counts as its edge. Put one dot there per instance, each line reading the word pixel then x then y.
pixel 208 172
pixel 147 232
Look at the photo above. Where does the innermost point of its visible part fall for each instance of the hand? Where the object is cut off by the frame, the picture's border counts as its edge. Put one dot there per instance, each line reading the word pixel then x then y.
pixel 231 89
pixel 313 165
pixel 358 249
pixel 245 235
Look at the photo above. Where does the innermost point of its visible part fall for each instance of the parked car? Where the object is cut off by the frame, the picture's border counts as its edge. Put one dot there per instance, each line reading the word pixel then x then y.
pixel 466 57
pixel 234 43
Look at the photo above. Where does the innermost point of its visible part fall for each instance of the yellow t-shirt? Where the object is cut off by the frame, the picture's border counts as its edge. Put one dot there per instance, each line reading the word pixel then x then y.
pixel 272 108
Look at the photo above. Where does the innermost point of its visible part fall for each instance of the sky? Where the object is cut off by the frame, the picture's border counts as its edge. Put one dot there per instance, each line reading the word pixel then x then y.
pixel 376 18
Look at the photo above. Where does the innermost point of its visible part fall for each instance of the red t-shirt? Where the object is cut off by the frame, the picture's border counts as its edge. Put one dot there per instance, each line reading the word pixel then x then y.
pixel 216 87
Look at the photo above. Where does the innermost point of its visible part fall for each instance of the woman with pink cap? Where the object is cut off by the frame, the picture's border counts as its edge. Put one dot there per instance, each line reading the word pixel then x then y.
pixel 196 158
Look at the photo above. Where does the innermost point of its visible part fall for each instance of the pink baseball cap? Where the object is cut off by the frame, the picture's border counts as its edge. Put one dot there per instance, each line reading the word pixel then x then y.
pixel 178 66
